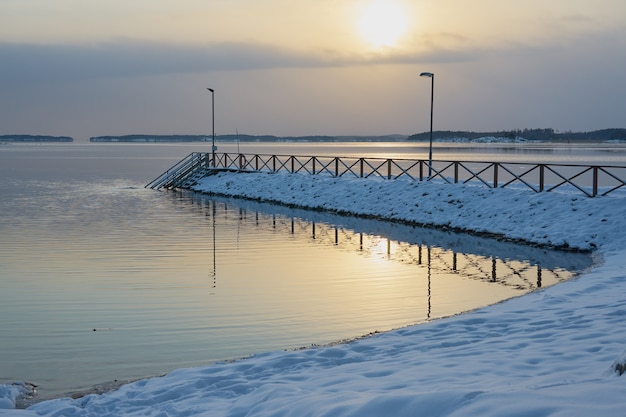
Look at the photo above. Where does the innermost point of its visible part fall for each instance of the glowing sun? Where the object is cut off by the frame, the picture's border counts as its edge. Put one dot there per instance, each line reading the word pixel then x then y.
pixel 383 22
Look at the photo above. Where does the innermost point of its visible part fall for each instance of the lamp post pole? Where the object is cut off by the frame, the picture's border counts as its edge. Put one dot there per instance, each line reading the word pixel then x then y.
pixel 432 96
pixel 213 125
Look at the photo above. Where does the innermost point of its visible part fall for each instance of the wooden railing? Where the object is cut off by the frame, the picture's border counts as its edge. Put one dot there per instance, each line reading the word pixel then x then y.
pixel 591 180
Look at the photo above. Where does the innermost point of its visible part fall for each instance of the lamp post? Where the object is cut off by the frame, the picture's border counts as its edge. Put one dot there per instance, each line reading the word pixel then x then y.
pixel 213 124
pixel 432 95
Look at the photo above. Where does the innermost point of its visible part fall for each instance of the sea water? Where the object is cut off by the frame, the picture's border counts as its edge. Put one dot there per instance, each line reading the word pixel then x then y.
pixel 103 280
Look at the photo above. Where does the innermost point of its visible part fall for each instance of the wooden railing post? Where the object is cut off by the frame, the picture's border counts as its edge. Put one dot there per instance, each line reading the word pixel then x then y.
pixel 314 165
pixel 456 172
pixel 388 169
pixel 595 181
pixel 541 177
pixel 273 163
pixel 495 175
pixel 336 166
pixel 361 166
pixel 292 164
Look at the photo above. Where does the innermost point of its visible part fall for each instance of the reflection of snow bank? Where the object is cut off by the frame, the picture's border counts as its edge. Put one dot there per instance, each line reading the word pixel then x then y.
pixel 429 236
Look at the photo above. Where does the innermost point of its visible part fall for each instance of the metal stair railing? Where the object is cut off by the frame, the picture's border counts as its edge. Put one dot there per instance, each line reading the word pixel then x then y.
pixel 183 174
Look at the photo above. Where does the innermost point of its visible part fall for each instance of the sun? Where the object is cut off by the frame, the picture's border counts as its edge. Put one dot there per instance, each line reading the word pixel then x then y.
pixel 383 22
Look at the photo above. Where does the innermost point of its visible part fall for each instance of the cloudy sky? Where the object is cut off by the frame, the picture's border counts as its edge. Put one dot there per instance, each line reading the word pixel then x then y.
pixel 309 67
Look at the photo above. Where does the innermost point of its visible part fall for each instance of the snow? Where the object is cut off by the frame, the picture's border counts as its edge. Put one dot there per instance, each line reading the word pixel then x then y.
pixel 485 139
pixel 554 352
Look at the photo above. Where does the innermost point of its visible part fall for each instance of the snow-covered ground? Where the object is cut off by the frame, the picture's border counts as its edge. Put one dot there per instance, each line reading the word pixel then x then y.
pixel 553 352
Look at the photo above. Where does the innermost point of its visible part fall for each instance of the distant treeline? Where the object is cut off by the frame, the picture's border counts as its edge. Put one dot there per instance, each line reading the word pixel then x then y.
pixel 512 135
pixel 34 138
pixel 150 138
pixel 448 135
pixel 528 134
pixel 243 138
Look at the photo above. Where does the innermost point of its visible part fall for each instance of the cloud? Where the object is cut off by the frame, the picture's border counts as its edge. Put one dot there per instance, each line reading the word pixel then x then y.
pixel 123 58
pixel 64 62
pixel 129 59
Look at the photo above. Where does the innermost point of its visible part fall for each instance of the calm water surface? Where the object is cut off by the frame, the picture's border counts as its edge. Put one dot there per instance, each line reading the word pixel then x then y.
pixel 104 280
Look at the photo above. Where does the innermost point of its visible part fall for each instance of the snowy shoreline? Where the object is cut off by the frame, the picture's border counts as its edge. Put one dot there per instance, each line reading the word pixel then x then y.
pixel 553 352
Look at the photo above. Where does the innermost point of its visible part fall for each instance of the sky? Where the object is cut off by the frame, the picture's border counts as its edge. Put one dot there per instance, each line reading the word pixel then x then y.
pixel 309 67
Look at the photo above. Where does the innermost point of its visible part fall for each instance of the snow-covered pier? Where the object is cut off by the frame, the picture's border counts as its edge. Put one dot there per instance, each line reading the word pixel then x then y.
pixel 590 180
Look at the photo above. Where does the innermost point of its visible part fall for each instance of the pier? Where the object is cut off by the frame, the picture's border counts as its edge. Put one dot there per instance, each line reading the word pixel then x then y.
pixel 589 180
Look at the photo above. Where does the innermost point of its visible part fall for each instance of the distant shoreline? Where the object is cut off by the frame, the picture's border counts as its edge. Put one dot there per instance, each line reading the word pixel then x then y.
pixel 34 138
pixel 513 136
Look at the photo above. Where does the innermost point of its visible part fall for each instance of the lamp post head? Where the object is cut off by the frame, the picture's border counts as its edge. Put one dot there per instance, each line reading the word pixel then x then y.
pixel 427 74
pixel 210 89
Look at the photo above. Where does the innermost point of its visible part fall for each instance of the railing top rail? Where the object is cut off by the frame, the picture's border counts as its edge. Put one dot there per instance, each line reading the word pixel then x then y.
pixel 367 158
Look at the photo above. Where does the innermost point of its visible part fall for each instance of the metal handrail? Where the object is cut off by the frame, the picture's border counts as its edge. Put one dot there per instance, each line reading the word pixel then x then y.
pixel 154 183
pixel 194 164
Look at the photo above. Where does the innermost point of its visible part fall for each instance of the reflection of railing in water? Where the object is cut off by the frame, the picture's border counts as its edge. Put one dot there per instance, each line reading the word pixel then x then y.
pixel 533 268
pixel 510 273
pixel 591 180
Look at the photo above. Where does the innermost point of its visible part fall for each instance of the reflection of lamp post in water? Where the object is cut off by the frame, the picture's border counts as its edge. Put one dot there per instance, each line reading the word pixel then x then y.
pixel 213 211
pixel 428 275
pixel 213 125
pixel 432 95
pixel 429 288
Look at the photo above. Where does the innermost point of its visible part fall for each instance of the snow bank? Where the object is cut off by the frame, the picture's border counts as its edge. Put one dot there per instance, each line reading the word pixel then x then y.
pixel 11 393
